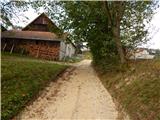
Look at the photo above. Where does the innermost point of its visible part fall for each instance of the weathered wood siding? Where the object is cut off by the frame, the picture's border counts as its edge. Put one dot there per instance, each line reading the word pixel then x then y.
pixel 42 23
pixel 66 50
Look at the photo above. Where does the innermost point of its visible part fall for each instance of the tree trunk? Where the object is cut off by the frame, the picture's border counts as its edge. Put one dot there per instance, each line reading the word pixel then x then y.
pixel 115 14
pixel 116 35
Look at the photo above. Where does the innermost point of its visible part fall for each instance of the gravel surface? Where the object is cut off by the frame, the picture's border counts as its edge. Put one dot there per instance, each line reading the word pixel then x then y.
pixel 78 94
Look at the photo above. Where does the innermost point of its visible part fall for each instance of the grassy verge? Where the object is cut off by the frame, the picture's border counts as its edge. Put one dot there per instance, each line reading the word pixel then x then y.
pixel 21 80
pixel 137 90
pixel 73 59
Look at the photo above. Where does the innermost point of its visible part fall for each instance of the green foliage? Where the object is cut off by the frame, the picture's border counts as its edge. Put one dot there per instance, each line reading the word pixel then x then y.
pixel 22 79
pixel 134 28
pixel 10 10
pixel 89 22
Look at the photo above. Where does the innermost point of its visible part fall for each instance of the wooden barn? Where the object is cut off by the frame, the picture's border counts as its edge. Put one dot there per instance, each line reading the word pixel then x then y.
pixel 41 38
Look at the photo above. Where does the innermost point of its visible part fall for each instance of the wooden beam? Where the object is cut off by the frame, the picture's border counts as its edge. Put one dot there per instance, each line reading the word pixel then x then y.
pixel 48 50
pixel 38 52
pixel 4 46
pixel 22 51
pixel 12 48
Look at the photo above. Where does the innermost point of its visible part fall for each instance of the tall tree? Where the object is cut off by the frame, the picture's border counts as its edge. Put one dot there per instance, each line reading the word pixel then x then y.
pixel 125 20
pixel 115 12
pixel 118 11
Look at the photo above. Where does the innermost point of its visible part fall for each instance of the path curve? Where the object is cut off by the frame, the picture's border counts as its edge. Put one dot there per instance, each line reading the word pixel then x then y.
pixel 79 95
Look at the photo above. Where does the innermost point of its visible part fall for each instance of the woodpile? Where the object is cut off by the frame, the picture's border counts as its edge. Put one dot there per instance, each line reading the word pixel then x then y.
pixel 49 52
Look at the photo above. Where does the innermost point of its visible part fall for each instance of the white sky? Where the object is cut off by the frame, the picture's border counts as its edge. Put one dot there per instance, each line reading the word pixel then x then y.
pixel 154 30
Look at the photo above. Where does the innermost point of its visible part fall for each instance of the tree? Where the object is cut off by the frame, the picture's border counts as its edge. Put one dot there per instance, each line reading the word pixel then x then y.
pixel 124 20
pixel 136 12
pixel 115 12
pixel 10 10
pixel 88 22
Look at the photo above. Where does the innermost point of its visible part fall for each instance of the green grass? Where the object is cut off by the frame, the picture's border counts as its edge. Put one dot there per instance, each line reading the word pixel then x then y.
pixel 137 90
pixel 73 59
pixel 21 80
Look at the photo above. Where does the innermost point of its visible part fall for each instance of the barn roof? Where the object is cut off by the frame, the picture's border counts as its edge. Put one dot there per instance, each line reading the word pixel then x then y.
pixel 42 15
pixel 34 35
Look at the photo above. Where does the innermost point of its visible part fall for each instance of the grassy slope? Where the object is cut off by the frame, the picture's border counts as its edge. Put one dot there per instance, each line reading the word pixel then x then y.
pixel 22 78
pixel 137 90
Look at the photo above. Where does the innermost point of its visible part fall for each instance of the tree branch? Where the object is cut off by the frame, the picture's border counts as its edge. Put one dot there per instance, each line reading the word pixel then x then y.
pixel 106 8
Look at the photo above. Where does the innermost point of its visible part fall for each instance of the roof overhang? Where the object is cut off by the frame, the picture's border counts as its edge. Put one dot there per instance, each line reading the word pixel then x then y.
pixel 32 35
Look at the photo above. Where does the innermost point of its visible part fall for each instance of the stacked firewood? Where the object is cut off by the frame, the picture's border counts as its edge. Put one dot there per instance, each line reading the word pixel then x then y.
pixel 49 52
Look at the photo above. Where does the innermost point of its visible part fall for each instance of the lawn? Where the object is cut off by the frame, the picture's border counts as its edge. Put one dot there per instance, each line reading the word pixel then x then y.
pixel 21 79
pixel 137 90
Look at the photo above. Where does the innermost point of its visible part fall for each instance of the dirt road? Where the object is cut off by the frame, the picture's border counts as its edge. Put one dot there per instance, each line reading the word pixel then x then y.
pixel 79 95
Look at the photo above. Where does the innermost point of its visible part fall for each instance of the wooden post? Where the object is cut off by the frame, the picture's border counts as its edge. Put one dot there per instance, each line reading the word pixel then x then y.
pixel 38 52
pixel 12 48
pixel 4 46
pixel 48 50
pixel 22 51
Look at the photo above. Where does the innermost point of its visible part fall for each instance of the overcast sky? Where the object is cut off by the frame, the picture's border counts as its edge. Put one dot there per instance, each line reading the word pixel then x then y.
pixel 154 30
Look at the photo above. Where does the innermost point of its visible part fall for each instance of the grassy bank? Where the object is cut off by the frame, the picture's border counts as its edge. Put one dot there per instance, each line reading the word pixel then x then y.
pixel 21 79
pixel 137 90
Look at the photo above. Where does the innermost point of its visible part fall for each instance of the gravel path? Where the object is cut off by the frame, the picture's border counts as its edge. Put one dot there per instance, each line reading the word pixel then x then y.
pixel 78 94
